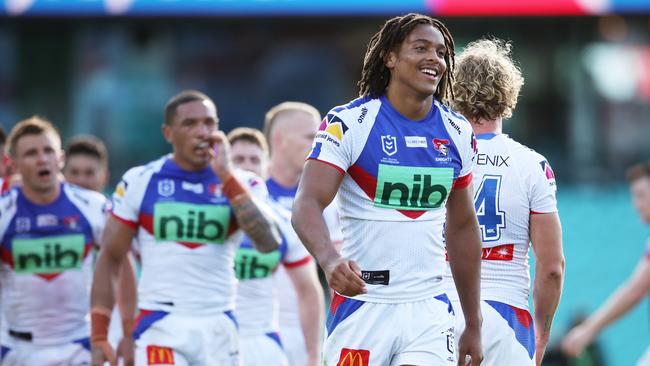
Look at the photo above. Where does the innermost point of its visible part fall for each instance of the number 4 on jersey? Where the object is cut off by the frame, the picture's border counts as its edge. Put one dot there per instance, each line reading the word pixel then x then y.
pixel 486 202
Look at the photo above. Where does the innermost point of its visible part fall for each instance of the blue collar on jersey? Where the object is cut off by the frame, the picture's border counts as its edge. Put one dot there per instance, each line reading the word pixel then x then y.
pixel 486 136
pixel 394 112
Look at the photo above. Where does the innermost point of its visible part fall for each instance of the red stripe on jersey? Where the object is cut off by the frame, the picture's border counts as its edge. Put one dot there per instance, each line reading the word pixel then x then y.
pixel 330 164
pixel 462 182
pixel 337 300
pixel 129 223
pixel 6 256
pixel 503 252
pixel 298 263
pixel 5 185
pixel 364 180
pixel 537 213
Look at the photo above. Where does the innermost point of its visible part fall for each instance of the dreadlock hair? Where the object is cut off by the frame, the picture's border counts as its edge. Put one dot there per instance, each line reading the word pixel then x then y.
pixel 375 75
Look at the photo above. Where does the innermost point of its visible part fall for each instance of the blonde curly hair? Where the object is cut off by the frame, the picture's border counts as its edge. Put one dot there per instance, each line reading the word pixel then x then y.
pixel 486 81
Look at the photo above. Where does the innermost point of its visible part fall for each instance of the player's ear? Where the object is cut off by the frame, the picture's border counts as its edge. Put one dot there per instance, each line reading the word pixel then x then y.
pixel 391 60
pixel 61 159
pixel 166 131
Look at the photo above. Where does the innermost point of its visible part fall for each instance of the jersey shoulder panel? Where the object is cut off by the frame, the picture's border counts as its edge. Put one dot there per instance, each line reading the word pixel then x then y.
pixel 85 199
pixel 131 189
pixel 7 210
pixel 461 133
pixel 343 132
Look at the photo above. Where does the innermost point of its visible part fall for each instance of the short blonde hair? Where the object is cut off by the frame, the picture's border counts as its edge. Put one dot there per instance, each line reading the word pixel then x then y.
pixel 273 113
pixel 34 125
pixel 487 81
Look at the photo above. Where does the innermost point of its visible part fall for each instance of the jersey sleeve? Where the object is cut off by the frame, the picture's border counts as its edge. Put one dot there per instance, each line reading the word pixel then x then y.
pixel 296 254
pixel 542 187
pixel 332 144
pixel 125 205
pixel 254 183
pixel 467 150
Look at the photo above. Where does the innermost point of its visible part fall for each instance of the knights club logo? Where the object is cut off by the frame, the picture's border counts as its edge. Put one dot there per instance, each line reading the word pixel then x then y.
pixel 389 144
pixel 441 145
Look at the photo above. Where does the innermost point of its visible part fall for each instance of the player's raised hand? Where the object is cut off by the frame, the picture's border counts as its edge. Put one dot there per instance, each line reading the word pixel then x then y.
pixel 220 152
pixel 102 352
pixel 470 352
pixel 577 339
pixel 344 276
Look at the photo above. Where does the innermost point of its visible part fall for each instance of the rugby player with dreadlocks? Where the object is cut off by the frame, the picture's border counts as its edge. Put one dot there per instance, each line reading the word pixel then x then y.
pixel 401 163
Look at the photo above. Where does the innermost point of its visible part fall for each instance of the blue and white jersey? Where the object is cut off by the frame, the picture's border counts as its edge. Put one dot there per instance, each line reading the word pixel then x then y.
pixel 257 293
pixel 187 234
pixel 398 174
pixel 511 183
pixel 47 262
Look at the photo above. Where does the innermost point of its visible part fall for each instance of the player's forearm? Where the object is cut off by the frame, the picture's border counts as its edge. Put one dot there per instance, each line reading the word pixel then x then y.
pixel 618 304
pixel 257 222
pixel 464 253
pixel 127 295
pixel 311 319
pixel 102 292
pixel 546 297
pixel 307 220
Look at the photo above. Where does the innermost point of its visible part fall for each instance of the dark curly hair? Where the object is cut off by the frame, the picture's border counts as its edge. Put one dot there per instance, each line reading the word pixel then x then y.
pixel 375 75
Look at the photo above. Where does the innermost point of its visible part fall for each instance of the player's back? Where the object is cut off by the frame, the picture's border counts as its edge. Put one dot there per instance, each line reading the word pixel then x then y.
pixel 511 182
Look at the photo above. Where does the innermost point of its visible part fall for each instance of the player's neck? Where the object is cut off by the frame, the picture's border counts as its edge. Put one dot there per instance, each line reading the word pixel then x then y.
pixel 283 174
pixel 411 105
pixel 483 126
pixel 42 197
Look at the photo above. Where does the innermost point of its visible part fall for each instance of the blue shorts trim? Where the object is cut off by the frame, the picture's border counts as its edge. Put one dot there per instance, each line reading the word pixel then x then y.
pixel 276 338
pixel 445 299
pixel 3 352
pixel 232 317
pixel 146 320
pixel 84 342
pixel 341 308
pixel 520 321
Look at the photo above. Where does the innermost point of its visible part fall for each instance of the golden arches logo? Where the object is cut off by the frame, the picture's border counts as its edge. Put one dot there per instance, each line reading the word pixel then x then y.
pixel 354 357
pixel 160 355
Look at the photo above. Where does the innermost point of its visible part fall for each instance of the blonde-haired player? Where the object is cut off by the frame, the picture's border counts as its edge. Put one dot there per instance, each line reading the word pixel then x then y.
pixel 514 196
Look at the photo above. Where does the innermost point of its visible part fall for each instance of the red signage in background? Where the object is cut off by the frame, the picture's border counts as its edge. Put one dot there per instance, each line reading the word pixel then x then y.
pixel 507 8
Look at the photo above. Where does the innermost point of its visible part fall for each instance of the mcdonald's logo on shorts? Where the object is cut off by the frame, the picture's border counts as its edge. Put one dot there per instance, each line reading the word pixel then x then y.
pixel 157 355
pixel 354 357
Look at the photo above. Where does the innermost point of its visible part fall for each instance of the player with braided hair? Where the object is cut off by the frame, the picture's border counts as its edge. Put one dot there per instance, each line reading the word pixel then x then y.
pixel 401 163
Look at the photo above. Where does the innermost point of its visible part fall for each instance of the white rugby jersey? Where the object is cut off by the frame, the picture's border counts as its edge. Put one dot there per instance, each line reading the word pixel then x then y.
pixel 289 312
pixel 398 174
pixel 257 303
pixel 187 235
pixel 47 262
pixel 511 182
